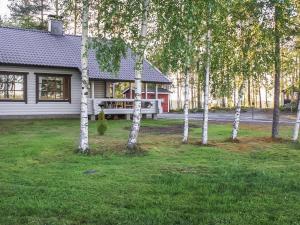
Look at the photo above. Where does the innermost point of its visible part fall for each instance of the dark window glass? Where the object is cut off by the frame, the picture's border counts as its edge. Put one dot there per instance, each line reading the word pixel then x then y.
pixel 12 86
pixel 54 88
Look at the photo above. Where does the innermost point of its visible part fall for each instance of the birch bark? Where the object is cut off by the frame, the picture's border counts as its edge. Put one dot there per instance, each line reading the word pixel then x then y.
pixel 297 124
pixel 84 139
pixel 277 64
pixel 236 122
pixel 136 121
pixel 186 107
pixel 207 77
pixel 187 95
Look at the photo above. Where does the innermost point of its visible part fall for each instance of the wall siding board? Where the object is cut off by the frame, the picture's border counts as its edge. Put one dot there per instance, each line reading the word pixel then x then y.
pixel 99 89
pixel 43 108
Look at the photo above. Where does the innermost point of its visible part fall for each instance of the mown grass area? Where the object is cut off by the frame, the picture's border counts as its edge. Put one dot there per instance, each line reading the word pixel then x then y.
pixel 43 180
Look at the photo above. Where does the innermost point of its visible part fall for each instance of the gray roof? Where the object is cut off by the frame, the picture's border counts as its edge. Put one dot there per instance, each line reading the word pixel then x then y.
pixel 41 48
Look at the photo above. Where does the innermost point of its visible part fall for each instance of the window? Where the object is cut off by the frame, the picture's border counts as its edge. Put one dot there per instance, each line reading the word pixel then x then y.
pixel 53 88
pixel 12 86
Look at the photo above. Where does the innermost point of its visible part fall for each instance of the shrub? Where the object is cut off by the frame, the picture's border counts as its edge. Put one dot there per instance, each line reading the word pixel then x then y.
pixel 289 107
pixel 102 123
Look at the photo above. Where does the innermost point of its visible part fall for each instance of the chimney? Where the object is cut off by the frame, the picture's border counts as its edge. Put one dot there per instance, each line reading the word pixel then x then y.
pixel 55 25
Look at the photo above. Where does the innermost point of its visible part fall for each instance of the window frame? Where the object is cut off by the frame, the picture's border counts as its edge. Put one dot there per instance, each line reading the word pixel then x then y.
pixel 37 91
pixel 24 86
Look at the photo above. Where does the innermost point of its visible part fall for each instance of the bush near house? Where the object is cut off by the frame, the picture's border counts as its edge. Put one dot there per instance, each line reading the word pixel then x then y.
pixel 102 123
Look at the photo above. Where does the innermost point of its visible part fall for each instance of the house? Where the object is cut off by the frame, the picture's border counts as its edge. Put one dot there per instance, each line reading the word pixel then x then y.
pixel 40 76
pixel 151 93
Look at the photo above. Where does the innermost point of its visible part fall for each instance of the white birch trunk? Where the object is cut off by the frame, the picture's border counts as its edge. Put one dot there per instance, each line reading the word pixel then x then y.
pixel 297 125
pixel 207 77
pixel 187 96
pixel 236 122
pixel 136 121
pixel 186 107
pixel 84 138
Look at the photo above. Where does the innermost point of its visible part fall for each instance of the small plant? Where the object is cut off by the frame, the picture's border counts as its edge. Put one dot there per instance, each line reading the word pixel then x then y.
pixel 102 123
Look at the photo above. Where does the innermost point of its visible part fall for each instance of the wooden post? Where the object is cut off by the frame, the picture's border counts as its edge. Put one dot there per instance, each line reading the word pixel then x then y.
pixel 93 117
pixel 113 90
pixel 130 90
pixel 146 91
pixel 154 116
pixel 93 89
pixel 156 91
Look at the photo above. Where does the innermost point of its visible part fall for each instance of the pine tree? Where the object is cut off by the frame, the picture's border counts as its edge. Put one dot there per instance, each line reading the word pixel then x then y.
pixel 29 14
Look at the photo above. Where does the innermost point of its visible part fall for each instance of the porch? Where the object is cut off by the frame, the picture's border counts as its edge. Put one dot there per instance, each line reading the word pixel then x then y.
pixel 105 96
pixel 123 107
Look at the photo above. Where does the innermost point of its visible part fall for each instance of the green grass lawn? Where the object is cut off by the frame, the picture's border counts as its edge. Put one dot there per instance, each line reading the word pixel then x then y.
pixel 43 180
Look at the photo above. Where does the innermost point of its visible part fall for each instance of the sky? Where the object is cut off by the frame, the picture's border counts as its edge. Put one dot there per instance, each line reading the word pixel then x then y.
pixel 3 8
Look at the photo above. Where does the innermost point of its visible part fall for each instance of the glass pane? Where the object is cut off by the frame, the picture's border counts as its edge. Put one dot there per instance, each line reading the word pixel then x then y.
pixel 59 96
pixel 11 86
pixel 18 95
pixel 2 95
pixel 52 88
pixel 3 78
pixel 19 86
pixel 3 86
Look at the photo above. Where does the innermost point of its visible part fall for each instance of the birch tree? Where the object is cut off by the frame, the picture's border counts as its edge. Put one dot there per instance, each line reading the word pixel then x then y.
pixel 238 106
pixel 124 33
pixel 297 125
pixel 179 29
pixel 207 77
pixel 244 16
pixel 187 94
pixel 136 121
pixel 277 62
pixel 84 136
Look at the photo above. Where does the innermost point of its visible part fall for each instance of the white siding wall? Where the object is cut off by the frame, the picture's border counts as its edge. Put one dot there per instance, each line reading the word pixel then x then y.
pixel 43 108
pixel 99 89
pixel 99 92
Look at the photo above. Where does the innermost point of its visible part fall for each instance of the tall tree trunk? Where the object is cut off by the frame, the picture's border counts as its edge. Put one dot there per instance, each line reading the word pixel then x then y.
pixel 254 95
pixel 237 115
pixel 297 124
pixel 260 98
pixel 56 8
pixel 192 93
pixel 136 121
pixel 249 93
pixel 178 92
pixel 234 91
pixel 199 105
pixel 42 13
pixel 207 77
pixel 298 74
pixel 223 101
pixel 75 16
pixel 98 17
pixel 187 95
pixel 84 131
pixel 186 106
pixel 267 104
pixel 275 124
